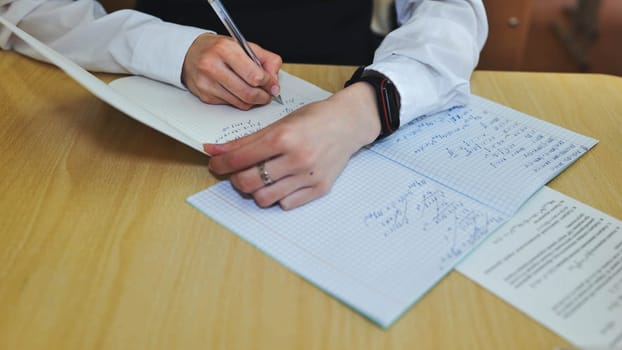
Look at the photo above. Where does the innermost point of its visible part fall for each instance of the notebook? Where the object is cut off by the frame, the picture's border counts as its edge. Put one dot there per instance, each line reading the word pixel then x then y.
pixel 176 112
pixel 405 211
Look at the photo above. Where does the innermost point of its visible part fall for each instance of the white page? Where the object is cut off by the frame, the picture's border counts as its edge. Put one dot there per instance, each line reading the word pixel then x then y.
pixel 487 151
pixel 215 123
pixel 376 245
pixel 176 112
pixel 560 262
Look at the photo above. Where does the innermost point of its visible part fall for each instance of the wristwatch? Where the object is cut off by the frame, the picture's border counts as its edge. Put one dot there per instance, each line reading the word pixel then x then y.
pixel 387 96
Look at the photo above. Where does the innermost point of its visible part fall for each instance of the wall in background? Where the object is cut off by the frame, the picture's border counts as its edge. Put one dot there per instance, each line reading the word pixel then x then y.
pixel 545 51
pixel 508 29
pixel 542 35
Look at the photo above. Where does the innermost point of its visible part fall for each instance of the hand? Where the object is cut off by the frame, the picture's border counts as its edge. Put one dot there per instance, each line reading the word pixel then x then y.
pixel 303 152
pixel 218 71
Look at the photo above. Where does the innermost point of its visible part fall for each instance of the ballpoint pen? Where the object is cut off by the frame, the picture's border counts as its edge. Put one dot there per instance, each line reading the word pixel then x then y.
pixel 236 34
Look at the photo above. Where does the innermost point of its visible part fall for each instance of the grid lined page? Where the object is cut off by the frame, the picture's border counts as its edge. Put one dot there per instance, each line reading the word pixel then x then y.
pixel 376 247
pixel 487 151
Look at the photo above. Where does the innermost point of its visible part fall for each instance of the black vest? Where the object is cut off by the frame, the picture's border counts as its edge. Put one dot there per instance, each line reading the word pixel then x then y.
pixel 301 31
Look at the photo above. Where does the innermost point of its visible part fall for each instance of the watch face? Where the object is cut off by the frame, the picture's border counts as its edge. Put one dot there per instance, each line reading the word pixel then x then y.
pixel 389 95
pixel 388 99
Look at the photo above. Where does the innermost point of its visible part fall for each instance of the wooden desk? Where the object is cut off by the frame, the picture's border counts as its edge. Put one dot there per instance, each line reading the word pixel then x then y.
pixel 98 249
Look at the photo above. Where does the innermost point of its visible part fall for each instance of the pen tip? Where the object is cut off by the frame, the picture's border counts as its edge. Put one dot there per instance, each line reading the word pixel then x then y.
pixel 278 99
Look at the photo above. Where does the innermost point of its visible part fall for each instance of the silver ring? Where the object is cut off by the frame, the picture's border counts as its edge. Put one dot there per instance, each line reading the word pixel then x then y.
pixel 263 173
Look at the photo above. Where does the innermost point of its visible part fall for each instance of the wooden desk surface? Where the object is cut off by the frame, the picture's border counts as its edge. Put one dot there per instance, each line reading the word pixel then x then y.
pixel 98 249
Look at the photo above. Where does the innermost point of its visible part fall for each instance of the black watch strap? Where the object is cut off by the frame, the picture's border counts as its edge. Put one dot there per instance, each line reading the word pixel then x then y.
pixel 388 99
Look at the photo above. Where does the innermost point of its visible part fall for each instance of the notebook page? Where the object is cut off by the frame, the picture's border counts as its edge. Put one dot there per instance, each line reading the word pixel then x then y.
pixel 376 245
pixel 487 151
pixel 215 123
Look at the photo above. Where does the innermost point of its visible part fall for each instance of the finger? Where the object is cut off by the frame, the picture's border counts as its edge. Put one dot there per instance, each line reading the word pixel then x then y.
pixel 250 152
pixel 248 94
pixel 238 90
pixel 212 92
pixel 284 188
pixel 213 149
pixel 220 148
pixel 250 180
pixel 222 96
pixel 270 61
pixel 233 98
pixel 221 75
pixel 302 196
pixel 272 64
pixel 251 75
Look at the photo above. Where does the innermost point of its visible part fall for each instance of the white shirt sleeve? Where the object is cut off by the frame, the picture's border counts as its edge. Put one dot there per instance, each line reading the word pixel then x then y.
pixel 126 41
pixel 431 56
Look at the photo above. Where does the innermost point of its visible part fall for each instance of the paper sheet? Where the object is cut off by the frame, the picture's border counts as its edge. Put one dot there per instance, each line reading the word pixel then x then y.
pixel 560 262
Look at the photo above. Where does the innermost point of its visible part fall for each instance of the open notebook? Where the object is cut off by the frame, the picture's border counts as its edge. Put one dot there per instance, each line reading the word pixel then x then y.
pixel 406 210
pixel 402 213
pixel 176 112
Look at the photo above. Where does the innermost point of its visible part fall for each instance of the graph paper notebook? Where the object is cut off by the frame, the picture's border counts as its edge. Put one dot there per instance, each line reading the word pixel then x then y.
pixel 406 210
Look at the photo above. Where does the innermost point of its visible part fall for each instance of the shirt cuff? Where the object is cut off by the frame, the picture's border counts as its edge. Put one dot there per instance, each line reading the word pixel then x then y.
pixel 161 50
pixel 422 91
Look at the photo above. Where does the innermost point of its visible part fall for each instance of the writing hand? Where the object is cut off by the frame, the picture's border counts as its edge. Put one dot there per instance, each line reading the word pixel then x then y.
pixel 218 71
pixel 303 153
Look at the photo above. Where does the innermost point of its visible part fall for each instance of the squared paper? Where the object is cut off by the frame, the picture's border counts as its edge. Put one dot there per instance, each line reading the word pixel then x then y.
pixel 409 208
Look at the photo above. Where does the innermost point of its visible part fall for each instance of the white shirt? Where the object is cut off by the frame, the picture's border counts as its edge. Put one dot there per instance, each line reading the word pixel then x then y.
pixel 429 58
